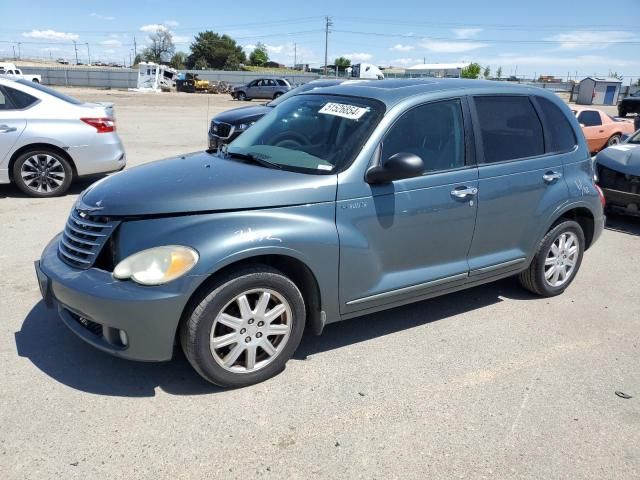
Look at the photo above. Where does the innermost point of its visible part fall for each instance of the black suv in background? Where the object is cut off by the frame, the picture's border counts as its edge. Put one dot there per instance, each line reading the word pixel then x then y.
pixel 227 126
pixel 630 104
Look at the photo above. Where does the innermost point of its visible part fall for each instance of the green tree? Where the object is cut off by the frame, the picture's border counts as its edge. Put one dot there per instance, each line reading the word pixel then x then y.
pixel 232 63
pixel 472 71
pixel 487 72
pixel 342 63
pixel 499 72
pixel 259 56
pixel 617 75
pixel 214 50
pixel 201 64
pixel 138 59
pixel 179 60
pixel 161 47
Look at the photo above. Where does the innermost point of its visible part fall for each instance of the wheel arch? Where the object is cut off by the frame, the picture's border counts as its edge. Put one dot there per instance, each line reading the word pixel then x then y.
pixel 580 214
pixel 41 146
pixel 294 268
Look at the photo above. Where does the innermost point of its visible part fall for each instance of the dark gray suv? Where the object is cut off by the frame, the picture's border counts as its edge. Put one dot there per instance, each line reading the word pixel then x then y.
pixel 266 88
pixel 338 203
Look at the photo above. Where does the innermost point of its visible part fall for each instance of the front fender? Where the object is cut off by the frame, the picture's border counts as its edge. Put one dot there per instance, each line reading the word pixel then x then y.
pixel 306 233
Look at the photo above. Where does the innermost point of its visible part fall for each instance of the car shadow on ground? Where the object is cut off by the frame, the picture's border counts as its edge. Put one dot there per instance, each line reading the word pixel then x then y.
pixel 11 191
pixel 58 353
pixel 623 224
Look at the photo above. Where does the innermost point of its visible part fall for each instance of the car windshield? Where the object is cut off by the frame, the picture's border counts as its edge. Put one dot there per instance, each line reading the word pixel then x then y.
pixel 302 88
pixel 51 91
pixel 635 138
pixel 636 94
pixel 311 133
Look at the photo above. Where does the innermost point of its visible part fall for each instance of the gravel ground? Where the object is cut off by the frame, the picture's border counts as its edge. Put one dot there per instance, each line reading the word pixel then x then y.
pixel 487 383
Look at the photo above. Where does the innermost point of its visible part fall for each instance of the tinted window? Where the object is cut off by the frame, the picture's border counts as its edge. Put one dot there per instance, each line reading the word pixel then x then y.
pixel 434 132
pixel 20 99
pixel 561 136
pixel 50 91
pixel 5 103
pixel 282 83
pixel 510 128
pixel 589 118
pixel 270 83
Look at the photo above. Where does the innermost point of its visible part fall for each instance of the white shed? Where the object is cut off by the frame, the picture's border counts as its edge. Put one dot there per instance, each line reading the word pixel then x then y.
pixel 439 70
pixel 599 91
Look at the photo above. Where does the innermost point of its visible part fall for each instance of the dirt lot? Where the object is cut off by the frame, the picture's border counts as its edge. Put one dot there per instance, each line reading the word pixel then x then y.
pixel 491 382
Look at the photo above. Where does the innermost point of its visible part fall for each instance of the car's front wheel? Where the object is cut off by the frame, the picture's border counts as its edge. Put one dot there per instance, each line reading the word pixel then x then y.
pixel 557 260
pixel 245 327
pixel 42 173
pixel 614 140
pixel 241 96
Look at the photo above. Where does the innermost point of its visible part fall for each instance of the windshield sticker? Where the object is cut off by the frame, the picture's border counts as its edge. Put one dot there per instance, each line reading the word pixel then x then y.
pixel 324 167
pixel 343 110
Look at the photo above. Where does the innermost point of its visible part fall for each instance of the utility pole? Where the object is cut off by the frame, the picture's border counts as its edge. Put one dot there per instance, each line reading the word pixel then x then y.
pixel 75 47
pixel 135 47
pixel 295 55
pixel 19 52
pixel 328 23
pixel 88 53
pixel 14 51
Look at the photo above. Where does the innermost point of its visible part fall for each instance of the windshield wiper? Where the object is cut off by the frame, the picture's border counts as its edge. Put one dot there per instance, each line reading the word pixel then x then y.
pixel 254 159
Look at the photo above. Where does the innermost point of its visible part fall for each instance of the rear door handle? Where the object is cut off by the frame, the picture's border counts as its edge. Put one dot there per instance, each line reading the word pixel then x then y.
pixel 464 192
pixel 7 129
pixel 551 176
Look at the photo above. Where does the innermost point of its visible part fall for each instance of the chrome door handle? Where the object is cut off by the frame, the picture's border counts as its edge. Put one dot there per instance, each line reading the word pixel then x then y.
pixel 7 129
pixel 551 176
pixel 464 192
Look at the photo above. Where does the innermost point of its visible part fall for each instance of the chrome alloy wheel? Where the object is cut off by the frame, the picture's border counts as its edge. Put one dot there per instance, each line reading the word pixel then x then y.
pixel 246 338
pixel 561 259
pixel 42 173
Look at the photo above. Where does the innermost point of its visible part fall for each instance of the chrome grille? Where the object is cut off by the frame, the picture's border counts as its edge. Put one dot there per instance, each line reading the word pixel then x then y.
pixel 83 238
pixel 221 130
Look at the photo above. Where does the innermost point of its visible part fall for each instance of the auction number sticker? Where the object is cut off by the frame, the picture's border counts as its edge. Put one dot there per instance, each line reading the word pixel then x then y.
pixel 343 110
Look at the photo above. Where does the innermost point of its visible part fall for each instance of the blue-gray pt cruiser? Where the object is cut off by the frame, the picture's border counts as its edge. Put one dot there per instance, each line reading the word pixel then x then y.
pixel 340 202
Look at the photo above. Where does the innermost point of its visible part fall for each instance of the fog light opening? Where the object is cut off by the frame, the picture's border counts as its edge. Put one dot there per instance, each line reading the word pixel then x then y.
pixel 124 339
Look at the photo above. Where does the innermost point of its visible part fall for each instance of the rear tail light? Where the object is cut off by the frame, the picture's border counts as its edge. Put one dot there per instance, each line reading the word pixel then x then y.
pixel 102 125
pixel 603 201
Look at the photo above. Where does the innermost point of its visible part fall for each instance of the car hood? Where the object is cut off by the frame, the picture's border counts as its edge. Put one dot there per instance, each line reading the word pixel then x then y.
pixel 203 182
pixel 624 158
pixel 238 115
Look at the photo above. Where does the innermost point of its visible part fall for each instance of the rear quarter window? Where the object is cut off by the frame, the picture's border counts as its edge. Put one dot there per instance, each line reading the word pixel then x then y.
pixel 561 137
pixel 509 127
pixel 21 99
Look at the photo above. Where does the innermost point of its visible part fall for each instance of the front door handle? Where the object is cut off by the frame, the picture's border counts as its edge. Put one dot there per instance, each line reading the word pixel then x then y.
pixel 7 129
pixel 551 176
pixel 464 192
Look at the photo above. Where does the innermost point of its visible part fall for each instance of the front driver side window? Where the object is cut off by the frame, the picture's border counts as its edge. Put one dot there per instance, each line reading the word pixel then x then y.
pixel 434 132
pixel 590 118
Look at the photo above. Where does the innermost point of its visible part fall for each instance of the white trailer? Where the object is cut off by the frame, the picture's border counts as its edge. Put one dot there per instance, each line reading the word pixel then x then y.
pixel 155 77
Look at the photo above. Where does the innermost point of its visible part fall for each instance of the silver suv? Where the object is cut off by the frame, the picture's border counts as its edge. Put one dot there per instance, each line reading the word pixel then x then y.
pixel 267 88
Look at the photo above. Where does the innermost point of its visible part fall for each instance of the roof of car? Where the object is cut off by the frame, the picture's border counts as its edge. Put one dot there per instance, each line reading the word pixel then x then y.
pixel 393 91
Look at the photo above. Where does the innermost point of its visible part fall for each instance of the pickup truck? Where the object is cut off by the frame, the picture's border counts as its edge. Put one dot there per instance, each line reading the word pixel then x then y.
pixel 9 70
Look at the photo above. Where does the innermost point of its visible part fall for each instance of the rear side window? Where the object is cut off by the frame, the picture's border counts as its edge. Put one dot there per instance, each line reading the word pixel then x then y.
pixel 5 103
pixel 282 83
pixel 50 91
pixel 590 118
pixel 510 128
pixel 559 130
pixel 20 99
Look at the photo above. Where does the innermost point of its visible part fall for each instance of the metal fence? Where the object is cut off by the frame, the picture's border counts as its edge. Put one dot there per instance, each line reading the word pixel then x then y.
pixel 128 78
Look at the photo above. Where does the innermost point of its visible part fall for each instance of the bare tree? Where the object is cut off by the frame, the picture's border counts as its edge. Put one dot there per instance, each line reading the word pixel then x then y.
pixel 161 48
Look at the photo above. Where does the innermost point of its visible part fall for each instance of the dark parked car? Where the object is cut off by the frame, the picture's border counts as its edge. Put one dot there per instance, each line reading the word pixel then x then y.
pixel 630 104
pixel 338 203
pixel 266 88
pixel 227 126
pixel 618 173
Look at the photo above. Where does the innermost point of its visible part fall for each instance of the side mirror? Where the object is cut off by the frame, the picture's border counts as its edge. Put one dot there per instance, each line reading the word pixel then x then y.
pixel 396 167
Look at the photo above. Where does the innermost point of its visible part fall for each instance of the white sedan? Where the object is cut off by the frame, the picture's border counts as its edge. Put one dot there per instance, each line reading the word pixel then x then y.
pixel 47 139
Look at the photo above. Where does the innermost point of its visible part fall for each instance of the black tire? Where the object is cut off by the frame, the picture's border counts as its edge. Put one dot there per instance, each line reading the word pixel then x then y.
pixel 195 328
pixel 622 112
pixel 277 94
pixel 35 80
pixel 24 185
pixel 242 96
pixel 533 279
pixel 614 140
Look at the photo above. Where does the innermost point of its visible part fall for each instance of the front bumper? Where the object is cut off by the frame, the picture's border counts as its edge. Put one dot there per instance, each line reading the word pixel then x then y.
pixel 622 202
pixel 96 307
pixel 216 142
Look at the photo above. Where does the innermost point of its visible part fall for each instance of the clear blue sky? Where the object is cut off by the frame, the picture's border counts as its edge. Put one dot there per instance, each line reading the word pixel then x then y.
pixel 542 37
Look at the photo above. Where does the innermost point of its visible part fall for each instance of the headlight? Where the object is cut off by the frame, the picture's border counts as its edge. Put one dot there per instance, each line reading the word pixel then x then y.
pixel 243 126
pixel 158 265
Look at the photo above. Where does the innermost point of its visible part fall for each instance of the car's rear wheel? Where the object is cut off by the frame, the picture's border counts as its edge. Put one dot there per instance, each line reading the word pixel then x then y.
pixel 246 327
pixel 277 94
pixel 557 260
pixel 242 96
pixel 42 173
pixel 614 140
